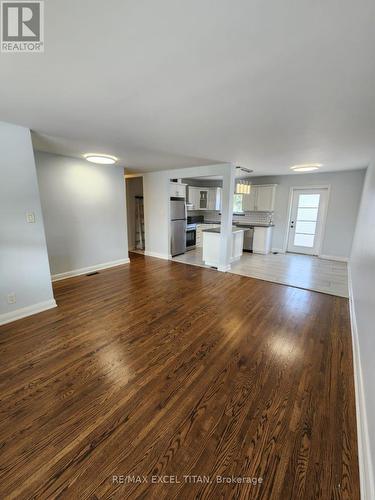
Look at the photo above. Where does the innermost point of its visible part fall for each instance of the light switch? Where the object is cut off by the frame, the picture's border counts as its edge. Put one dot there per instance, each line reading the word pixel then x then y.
pixel 30 217
pixel 11 298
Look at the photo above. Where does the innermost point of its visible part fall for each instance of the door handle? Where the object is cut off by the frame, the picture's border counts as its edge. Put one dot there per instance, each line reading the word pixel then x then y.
pixel 292 224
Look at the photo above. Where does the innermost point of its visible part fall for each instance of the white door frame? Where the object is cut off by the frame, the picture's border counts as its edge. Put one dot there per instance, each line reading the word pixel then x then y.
pixel 324 215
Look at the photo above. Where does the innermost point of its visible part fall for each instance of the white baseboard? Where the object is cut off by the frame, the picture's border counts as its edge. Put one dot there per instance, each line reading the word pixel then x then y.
pixel 364 454
pixel 157 255
pixel 223 269
pixel 26 311
pixel 334 257
pixel 90 269
pixel 325 257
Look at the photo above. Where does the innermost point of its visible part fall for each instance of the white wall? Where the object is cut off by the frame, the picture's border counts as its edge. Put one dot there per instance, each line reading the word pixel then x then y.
pixel 24 267
pixel 84 212
pixel 155 199
pixel 362 272
pixel 134 187
pixel 346 191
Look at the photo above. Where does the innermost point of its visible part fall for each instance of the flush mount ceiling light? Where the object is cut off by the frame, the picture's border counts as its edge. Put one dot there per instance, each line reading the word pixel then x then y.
pixel 101 159
pixel 306 167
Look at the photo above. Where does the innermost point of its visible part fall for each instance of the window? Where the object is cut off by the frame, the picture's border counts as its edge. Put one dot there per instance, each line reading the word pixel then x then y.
pixel 307 216
pixel 237 203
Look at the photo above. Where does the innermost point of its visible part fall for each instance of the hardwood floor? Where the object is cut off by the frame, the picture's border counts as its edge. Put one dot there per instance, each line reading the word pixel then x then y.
pixel 162 369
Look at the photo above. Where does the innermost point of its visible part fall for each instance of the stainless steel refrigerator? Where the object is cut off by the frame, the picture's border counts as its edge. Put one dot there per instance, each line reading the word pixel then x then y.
pixel 178 226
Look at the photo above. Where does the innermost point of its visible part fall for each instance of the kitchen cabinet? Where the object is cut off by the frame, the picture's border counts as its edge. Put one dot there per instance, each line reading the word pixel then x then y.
pixel 214 199
pixel 177 190
pixel 266 198
pixel 202 198
pixel 262 240
pixel 193 198
pixel 211 247
pixel 198 197
pixel 260 199
pixel 249 200
pixel 200 227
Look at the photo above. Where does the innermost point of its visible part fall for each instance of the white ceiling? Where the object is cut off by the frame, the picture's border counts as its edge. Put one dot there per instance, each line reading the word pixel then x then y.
pixel 166 83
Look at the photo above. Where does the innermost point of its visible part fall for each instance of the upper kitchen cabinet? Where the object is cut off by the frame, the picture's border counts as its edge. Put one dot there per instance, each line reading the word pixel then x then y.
pixel 265 200
pixel 178 190
pixel 248 200
pixel 201 198
pixel 192 196
pixel 214 198
pixel 260 199
pixel 198 198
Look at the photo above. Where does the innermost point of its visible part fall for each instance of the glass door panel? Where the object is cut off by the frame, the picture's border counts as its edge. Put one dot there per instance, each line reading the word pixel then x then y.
pixel 305 222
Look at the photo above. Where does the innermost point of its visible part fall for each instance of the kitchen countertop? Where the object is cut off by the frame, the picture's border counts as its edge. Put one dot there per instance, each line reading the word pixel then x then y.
pixel 254 225
pixel 241 224
pixel 217 230
pixel 208 222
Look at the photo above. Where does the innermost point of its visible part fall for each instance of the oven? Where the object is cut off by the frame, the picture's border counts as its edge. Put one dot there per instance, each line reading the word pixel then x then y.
pixel 191 236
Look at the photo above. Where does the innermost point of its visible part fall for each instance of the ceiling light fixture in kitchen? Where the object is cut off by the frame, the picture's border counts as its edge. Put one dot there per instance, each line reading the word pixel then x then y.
pixel 101 159
pixel 306 167
pixel 243 187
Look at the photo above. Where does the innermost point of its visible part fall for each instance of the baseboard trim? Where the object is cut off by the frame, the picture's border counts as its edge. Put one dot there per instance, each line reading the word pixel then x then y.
pixel 23 312
pixel 364 454
pixel 334 257
pixel 157 255
pixel 325 257
pixel 90 269
pixel 223 269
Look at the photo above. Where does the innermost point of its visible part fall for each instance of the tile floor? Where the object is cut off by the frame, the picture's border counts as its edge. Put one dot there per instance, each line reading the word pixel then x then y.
pixel 302 271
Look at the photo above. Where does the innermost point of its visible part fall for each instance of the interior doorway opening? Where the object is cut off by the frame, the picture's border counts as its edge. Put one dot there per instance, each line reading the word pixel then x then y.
pixel 135 214
pixel 199 202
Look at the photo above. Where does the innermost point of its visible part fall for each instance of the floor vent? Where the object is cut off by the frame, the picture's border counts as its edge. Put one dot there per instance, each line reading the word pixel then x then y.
pixel 92 274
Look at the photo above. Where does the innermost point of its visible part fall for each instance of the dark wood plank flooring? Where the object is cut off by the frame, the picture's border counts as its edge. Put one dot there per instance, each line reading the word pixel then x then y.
pixel 163 370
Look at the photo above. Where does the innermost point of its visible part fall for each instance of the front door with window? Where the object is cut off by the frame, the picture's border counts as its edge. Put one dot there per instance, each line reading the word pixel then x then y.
pixel 306 220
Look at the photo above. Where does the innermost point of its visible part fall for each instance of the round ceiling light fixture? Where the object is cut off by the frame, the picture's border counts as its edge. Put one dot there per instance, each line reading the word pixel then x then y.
pixel 101 159
pixel 306 167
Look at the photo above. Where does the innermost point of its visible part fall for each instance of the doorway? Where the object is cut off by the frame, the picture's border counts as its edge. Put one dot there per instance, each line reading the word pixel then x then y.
pixel 307 220
pixel 135 214
pixel 203 197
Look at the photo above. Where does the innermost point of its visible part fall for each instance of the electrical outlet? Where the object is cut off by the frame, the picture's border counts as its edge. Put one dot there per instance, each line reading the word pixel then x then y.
pixel 12 298
pixel 30 217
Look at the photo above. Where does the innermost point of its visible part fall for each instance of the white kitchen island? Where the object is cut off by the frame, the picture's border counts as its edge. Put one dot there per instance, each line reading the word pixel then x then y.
pixel 211 245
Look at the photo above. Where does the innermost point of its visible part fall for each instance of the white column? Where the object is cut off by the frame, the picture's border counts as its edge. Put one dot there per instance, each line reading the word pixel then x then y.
pixel 226 219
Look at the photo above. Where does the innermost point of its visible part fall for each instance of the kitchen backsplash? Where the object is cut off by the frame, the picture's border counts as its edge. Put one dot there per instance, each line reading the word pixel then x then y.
pixel 248 217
